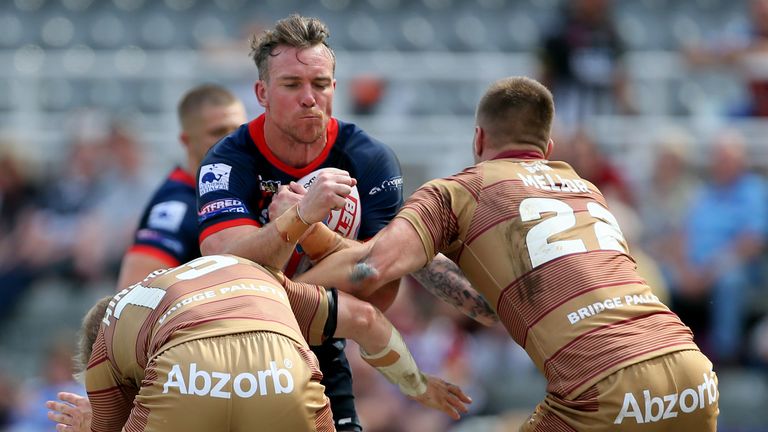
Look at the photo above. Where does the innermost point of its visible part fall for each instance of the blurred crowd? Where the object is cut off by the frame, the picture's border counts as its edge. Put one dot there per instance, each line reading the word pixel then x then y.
pixel 697 226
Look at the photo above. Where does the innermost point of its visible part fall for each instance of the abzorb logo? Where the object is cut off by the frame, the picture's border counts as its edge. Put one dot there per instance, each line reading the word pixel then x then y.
pixel 652 408
pixel 214 177
pixel 222 384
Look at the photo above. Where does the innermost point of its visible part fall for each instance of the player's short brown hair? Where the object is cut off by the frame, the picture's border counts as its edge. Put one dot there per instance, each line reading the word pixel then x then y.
pixel 294 31
pixel 88 332
pixel 201 96
pixel 517 110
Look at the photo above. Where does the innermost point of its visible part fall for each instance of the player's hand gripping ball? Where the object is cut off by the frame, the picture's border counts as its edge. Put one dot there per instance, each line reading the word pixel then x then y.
pixel 345 221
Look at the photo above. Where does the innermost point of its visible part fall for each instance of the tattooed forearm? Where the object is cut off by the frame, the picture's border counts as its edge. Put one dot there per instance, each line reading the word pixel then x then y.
pixel 445 280
pixel 361 271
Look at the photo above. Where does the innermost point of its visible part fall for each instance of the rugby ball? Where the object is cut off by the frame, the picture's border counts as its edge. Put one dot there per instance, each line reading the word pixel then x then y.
pixel 345 221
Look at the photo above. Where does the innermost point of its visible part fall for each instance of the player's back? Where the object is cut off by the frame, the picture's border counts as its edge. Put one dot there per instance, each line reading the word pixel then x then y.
pixel 210 296
pixel 539 242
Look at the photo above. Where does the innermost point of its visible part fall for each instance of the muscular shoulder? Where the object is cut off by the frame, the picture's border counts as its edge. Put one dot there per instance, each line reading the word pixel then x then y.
pixel 361 149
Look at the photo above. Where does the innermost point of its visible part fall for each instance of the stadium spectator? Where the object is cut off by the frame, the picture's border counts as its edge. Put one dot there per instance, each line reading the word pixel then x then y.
pixel 123 180
pixel 725 232
pixel 249 178
pixel 582 62
pixel 18 196
pixel 584 155
pixel 44 240
pixel 224 329
pixel 540 244
pixel 746 52
pixel 664 201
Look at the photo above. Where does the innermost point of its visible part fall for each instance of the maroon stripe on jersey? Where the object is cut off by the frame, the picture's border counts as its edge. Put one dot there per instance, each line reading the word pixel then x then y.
pixel 550 422
pixel 103 391
pixel 305 300
pixel 488 213
pixel 586 401
pixel 469 179
pixel 139 418
pixel 110 409
pixel 323 416
pixel 594 352
pixel 510 193
pixel 531 297
pixel 178 290
pixel 436 214
pixel 241 307
pixel 137 421
pixel 310 359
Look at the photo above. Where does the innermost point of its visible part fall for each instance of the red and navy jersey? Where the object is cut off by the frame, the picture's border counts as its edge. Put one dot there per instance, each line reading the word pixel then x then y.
pixel 240 174
pixel 168 228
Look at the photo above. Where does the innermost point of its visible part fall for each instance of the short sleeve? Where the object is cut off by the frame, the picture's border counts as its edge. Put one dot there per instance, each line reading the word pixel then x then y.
pixel 381 192
pixel 168 230
pixel 225 183
pixel 310 305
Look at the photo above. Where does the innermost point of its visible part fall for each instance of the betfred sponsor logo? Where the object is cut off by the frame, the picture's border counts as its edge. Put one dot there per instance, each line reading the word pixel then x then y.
pixel 652 408
pixel 227 205
pixel 220 205
pixel 223 385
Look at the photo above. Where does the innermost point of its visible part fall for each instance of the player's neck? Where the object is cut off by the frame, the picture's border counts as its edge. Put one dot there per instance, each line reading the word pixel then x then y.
pixel 513 151
pixel 290 152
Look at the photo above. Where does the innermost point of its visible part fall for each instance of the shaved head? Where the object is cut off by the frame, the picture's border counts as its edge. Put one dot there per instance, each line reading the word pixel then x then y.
pixel 517 110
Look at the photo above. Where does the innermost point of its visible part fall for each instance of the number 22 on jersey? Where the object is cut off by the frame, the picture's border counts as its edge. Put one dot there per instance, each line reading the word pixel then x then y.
pixel 541 250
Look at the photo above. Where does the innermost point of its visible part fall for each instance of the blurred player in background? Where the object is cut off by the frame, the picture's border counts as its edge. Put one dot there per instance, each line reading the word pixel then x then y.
pixel 540 244
pixel 249 178
pixel 167 233
pixel 221 344
pixel 168 230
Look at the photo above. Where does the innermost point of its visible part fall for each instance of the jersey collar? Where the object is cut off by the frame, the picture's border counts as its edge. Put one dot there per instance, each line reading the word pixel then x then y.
pixel 519 154
pixel 256 130
pixel 181 176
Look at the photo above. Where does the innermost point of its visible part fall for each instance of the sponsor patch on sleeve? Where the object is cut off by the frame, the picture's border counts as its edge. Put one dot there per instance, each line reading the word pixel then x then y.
pixel 214 177
pixel 167 215
pixel 152 236
pixel 214 208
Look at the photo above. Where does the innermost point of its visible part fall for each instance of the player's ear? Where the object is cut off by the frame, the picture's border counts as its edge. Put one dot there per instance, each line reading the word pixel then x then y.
pixel 550 146
pixel 260 88
pixel 478 142
pixel 184 138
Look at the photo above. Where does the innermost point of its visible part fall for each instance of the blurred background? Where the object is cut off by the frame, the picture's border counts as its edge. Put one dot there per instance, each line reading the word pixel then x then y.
pixel 661 103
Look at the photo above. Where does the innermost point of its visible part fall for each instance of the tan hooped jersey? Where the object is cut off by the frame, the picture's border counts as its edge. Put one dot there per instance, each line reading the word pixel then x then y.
pixel 540 244
pixel 207 297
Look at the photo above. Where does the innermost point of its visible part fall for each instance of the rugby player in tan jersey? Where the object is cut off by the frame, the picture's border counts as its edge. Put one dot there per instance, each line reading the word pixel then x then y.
pixel 221 343
pixel 541 245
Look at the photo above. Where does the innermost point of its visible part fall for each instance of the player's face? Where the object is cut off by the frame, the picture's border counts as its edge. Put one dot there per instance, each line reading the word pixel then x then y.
pixel 298 97
pixel 213 122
